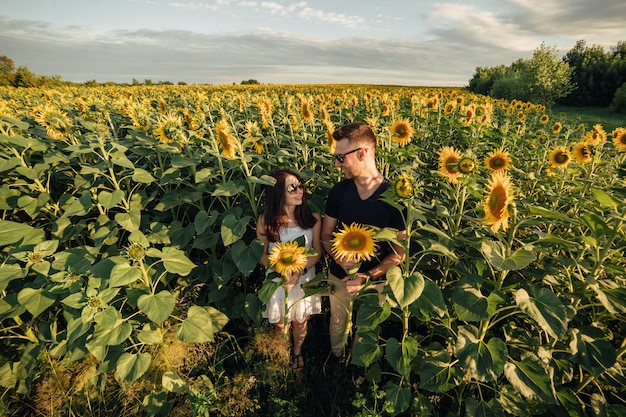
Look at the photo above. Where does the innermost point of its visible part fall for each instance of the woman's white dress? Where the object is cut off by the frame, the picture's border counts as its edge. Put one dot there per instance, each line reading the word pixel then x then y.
pixel 299 306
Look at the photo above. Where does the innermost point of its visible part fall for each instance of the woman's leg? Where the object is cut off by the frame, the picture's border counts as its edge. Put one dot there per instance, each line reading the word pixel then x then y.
pixel 299 334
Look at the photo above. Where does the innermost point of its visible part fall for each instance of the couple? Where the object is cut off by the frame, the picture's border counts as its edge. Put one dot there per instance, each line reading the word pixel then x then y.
pixel 356 199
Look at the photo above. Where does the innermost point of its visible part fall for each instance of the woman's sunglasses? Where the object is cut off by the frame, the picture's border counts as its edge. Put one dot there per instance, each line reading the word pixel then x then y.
pixel 292 188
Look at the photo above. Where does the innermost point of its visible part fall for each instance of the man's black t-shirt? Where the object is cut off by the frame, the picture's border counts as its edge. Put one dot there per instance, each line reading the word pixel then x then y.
pixel 345 205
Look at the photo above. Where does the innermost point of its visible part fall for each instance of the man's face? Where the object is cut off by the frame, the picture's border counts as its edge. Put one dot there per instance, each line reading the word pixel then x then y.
pixel 347 157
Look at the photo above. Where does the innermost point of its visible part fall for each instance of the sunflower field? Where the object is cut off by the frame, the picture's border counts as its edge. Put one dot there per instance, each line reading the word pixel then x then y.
pixel 129 275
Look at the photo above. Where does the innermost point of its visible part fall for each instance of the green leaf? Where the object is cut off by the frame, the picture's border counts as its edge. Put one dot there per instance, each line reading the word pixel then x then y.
pixel 545 308
pixel 571 403
pixel 174 383
pixel 149 335
pixel 118 158
pixel 8 273
pixel 157 307
pixel 175 261
pixel 130 220
pixel 77 206
pixel 605 198
pixel 270 285
pixel 155 404
pixel 541 212
pixel 469 303
pixel 401 355
pixel 430 302
pixel 596 224
pixel 366 349
pixel 370 313
pixel 531 379
pixel 203 221
pixel 246 257
pixel 491 408
pixel 142 176
pixel 264 180
pixel 109 200
pixel 131 366
pixel 36 300
pixel 12 232
pixel 398 397
pixel 405 290
pixel 124 274
pixel 484 361
pixel 438 373
pixel 591 351
pixel 233 229
pixel 228 189
pixel 495 253
pixel 200 325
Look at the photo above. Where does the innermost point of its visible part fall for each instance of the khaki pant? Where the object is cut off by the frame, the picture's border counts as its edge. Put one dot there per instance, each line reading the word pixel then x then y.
pixel 340 311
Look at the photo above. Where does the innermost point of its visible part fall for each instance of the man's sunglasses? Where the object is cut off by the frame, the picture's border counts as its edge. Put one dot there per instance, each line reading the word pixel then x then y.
pixel 341 157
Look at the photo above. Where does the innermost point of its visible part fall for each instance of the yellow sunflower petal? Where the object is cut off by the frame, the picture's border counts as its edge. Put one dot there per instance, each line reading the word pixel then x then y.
pixel 354 243
pixel 497 202
pixel 287 258
pixel 448 163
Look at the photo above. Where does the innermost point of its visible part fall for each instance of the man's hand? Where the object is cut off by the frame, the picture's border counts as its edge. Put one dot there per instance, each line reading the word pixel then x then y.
pixel 353 286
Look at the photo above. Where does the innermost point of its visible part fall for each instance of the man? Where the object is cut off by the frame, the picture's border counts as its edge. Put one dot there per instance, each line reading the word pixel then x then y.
pixel 357 198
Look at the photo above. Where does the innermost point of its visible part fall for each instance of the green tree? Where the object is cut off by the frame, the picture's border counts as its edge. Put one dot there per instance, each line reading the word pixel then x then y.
pixel 597 74
pixel 542 79
pixel 25 78
pixel 549 77
pixel 7 70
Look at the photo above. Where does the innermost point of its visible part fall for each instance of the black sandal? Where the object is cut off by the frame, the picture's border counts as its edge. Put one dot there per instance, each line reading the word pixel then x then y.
pixel 297 363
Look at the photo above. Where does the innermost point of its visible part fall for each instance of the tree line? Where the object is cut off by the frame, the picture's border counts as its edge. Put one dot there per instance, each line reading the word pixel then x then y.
pixel 585 76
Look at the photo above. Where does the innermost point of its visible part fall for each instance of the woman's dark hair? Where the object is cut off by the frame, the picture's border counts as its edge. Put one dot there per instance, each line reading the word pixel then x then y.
pixel 274 196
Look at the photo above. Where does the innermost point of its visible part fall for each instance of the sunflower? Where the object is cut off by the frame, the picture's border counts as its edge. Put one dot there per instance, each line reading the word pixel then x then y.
pixel 583 152
pixel 56 122
pixel 448 163
pixel 305 110
pixel 404 186
pixel 253 135
pixel 354 243
pixel 556 127
pixel 330 128
pixel 225 139
pixel 139 115
pixel 619 138
pixel 449 107
pixel 467 164
pixel 401 132
pixel 497 202
pixel 468 112
pixel 287 258
pixel 544 119
pixel 497 161
pixel 170 129
pixel 559 157
pixel 596 136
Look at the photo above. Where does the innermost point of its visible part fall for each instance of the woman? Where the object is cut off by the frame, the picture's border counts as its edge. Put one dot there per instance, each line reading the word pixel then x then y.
pixel 287 216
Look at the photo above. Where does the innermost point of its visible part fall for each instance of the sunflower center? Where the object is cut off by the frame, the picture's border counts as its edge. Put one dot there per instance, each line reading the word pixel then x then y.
pixel 561 158
pixel 498 162
pixel 497 200
pixel 354 242
pixel 287 258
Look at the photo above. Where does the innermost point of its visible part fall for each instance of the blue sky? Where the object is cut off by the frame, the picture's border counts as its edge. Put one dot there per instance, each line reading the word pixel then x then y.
pixel 417 43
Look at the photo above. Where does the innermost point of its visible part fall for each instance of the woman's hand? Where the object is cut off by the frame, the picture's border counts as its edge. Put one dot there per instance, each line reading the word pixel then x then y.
pixel 292 281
